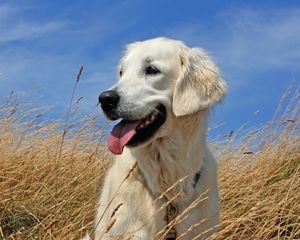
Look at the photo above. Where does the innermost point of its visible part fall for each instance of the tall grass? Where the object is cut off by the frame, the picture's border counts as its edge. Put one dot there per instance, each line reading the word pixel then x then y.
pixel 259 176
pixel 40 199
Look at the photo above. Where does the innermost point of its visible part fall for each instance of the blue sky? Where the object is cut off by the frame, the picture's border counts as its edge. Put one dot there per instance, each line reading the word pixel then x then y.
pixel 255 43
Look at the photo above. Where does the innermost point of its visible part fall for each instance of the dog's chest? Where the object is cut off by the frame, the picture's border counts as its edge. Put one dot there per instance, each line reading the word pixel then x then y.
pixel 155 220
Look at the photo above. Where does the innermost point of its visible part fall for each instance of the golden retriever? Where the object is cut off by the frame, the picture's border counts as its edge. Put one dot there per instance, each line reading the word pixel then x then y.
pixel 163 182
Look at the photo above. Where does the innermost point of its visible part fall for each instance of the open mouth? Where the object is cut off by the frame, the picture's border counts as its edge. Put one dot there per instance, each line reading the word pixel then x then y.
pixel 135 132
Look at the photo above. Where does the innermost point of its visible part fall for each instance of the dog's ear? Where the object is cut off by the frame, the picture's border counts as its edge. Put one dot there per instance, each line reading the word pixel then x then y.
pixel 200 84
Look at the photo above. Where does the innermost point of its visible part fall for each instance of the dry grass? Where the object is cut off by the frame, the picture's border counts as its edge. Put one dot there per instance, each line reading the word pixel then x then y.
pixel 259 179
pixel 50 175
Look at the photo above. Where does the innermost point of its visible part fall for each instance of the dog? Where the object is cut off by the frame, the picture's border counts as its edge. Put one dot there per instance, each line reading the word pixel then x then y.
pixel 163 182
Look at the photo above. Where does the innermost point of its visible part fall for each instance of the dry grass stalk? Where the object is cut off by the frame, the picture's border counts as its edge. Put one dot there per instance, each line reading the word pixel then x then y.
pixel 259 176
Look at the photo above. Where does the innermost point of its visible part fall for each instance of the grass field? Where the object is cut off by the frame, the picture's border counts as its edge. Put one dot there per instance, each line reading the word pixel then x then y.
pixel 50 175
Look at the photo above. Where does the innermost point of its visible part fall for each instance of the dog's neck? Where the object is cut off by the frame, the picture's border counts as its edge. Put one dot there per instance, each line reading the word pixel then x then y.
pixel 177 155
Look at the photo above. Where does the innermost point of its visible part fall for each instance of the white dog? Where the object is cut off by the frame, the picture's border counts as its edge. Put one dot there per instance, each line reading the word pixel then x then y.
pixel 163 183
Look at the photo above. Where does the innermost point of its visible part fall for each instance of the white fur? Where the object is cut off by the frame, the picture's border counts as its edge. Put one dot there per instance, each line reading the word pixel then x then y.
pixel 189 85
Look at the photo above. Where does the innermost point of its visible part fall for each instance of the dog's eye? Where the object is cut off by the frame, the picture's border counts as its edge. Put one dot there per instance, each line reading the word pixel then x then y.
pixel 120 72
pixel 151 70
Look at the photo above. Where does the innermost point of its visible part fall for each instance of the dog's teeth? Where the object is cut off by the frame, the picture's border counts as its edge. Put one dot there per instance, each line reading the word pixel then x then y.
pixel 152 117
pixel 148 120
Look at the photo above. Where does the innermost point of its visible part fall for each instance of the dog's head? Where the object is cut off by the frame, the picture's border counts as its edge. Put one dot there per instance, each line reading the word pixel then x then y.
pixel 158 79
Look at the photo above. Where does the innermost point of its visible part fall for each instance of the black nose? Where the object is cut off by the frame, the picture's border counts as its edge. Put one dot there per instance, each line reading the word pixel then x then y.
pixel 109 100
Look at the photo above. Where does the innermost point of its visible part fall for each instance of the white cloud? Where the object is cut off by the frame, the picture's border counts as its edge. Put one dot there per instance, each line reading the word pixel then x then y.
pixel 6 11
pixel 20 31
pixel 244 38
pixel 263 38
pixel 13 28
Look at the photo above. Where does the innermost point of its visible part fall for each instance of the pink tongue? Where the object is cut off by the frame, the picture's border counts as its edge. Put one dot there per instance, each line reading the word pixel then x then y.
pixel 121 135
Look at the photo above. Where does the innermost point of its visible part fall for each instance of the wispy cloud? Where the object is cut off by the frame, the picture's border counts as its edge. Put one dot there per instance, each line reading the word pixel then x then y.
pixel 248 38
pixel 6 11
pixel 13 28
pixel 262 38
pixel 25 31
